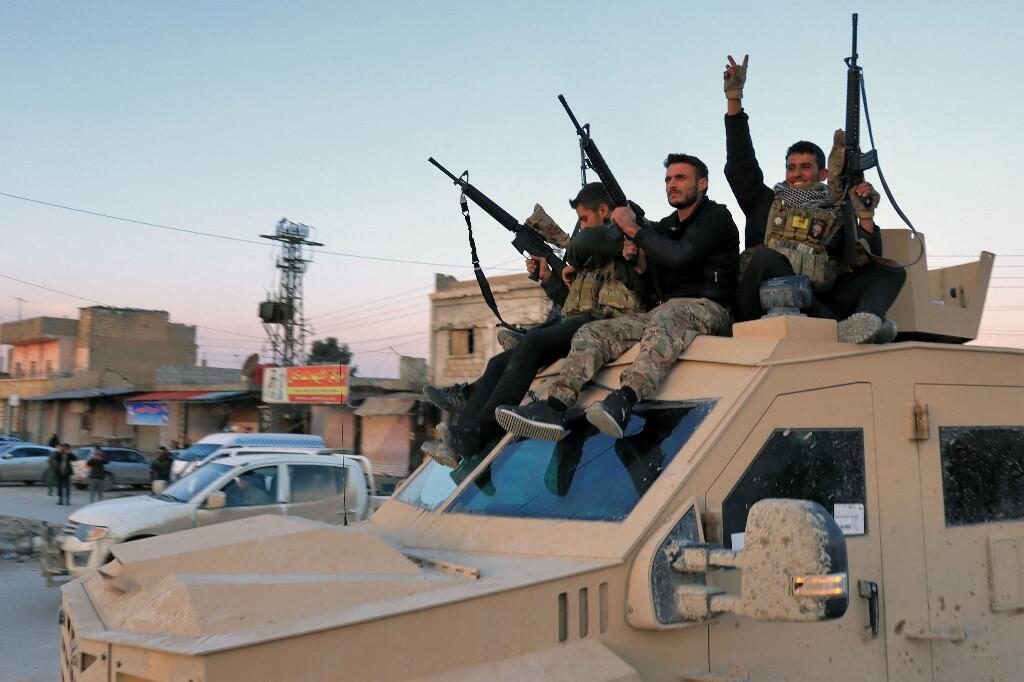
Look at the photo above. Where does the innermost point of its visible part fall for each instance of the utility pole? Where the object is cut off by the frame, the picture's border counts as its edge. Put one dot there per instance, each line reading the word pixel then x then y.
pixel 282 315
pixel 20 301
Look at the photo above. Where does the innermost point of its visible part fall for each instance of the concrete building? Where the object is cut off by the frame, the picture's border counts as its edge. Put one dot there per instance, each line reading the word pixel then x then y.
pixel 462 327
pixel 70 377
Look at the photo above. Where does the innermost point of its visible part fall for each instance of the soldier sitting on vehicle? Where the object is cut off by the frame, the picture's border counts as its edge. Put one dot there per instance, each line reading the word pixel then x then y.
pixel 603 285
pixel 790 228
pixel 691 258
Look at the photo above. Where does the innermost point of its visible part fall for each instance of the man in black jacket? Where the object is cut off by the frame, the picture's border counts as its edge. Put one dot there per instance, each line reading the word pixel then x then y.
pixel 691 259
pixel 789 228
pixel 604 286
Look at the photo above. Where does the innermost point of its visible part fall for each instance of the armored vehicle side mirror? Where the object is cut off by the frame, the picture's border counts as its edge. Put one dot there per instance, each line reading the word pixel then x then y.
pixel 158 486
pixel 216 500
pixel 793 567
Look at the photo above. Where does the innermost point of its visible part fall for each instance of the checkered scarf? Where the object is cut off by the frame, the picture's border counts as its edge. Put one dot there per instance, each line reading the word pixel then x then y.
pixel 813 196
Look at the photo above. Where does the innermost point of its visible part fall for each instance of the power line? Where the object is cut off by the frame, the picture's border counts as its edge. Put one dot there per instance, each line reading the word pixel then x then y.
pixel 360 305
pixel 243 240
pixel 106 305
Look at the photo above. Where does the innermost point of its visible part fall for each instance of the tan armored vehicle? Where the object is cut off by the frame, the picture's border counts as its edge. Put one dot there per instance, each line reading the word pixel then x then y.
pixel 696 548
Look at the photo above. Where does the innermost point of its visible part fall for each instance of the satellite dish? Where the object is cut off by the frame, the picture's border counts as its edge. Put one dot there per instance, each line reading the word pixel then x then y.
pixel 250 365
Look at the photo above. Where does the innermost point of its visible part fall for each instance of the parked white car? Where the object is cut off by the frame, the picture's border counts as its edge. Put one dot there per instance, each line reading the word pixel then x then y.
pixel 323 487
pixel 208 446
pixel 25 462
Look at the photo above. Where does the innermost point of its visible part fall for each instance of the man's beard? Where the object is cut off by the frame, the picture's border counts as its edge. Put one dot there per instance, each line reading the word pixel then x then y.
pixel 686 202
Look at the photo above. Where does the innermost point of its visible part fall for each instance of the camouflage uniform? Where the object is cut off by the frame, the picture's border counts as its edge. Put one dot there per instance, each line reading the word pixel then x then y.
pixel 664 333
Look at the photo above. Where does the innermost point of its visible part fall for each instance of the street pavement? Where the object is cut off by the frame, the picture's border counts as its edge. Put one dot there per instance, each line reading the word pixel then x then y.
pixel 32 502
pixel 29 633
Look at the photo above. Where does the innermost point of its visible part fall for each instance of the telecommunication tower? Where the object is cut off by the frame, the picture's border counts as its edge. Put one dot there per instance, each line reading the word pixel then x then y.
pixel 282 316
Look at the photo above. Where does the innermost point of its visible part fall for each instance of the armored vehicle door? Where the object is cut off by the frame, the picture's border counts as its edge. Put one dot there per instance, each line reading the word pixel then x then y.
pixel 814 445
pixel 971 453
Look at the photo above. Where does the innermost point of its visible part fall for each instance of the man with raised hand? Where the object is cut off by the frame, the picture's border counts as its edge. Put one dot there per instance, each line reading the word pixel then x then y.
pixel 791 229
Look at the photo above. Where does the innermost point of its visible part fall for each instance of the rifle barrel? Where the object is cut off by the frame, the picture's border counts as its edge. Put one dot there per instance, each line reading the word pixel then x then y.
pixel 853 50
pixel 443 170
pixel 572 117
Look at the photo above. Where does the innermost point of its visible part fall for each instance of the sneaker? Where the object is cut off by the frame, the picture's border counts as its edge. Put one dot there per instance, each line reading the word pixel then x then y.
pixel 887 332
pixel 509 338
pixel 533 420
pixel 439 452
pixel 859 328
pixel 463 442
pixel 611 415
pixel 448 398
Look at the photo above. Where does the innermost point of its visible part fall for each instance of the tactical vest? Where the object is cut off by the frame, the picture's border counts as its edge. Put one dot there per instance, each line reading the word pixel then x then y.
pixel 600 292
pixel 800 234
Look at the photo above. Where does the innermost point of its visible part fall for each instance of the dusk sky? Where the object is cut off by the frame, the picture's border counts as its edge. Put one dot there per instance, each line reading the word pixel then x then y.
pixel 224 117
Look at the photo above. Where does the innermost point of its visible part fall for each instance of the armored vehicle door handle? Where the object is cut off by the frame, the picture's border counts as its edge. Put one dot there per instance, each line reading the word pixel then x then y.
pixel 954 634
pixel 736 673
pixel 869 590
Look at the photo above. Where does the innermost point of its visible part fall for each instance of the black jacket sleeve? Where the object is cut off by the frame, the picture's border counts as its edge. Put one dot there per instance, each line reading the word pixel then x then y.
pixel 703 238
pixel 592 247
pixel 874 239
pixel 745 176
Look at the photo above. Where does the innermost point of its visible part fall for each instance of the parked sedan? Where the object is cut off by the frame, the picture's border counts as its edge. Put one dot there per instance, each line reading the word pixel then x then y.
pixel 25 462
pixel 124 467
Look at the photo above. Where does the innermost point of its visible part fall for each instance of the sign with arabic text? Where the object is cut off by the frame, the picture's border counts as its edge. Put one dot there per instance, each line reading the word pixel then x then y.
pixel 312 385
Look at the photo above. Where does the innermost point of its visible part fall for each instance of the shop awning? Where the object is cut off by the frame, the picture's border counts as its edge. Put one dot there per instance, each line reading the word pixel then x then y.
pixel 85 393
pixel 164 395
pixel 217 396
pixel 380 406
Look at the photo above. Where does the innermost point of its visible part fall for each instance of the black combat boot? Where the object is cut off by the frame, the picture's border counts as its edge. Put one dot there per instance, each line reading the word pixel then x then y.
pixel 462 441
pixel 538 419
pixel 448 398
pixel 611 415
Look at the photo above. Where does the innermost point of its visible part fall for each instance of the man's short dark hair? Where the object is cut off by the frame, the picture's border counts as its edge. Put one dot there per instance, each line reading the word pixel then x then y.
pixel 698 165
pixel 591 197
pixel 805 147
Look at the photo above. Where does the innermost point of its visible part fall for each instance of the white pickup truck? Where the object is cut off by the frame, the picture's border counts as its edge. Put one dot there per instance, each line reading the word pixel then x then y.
pixel 317 484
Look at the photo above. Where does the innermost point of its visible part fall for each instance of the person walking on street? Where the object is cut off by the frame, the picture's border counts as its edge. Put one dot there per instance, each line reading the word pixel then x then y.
pixel 160 469
pixel 60 462
pixel 97 475
pixel 54 441
pixel 51 471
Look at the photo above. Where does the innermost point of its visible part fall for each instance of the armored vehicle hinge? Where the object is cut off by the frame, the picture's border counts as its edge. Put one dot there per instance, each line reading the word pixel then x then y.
pixel 919 421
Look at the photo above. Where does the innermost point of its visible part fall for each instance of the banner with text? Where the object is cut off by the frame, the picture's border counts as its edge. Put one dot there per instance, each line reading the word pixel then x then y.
pixel 316 384
pixel 146 414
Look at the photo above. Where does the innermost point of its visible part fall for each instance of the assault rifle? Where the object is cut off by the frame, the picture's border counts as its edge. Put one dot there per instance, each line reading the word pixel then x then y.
pixel 600 167
pixel 526 240
pixel 855 162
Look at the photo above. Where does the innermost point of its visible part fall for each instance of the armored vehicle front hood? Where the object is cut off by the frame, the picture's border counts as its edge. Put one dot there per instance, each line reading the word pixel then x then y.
pixel 270 577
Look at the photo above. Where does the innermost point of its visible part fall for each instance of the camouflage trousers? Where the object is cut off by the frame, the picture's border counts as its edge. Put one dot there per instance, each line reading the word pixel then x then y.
pixel 663 333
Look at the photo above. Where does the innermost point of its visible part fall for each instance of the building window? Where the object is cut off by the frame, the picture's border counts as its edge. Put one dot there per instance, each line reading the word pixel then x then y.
pixel 49 367
pixel 32 368
pixel 17 369
pixel 460 342
pixel 982 473
pixel 822 465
